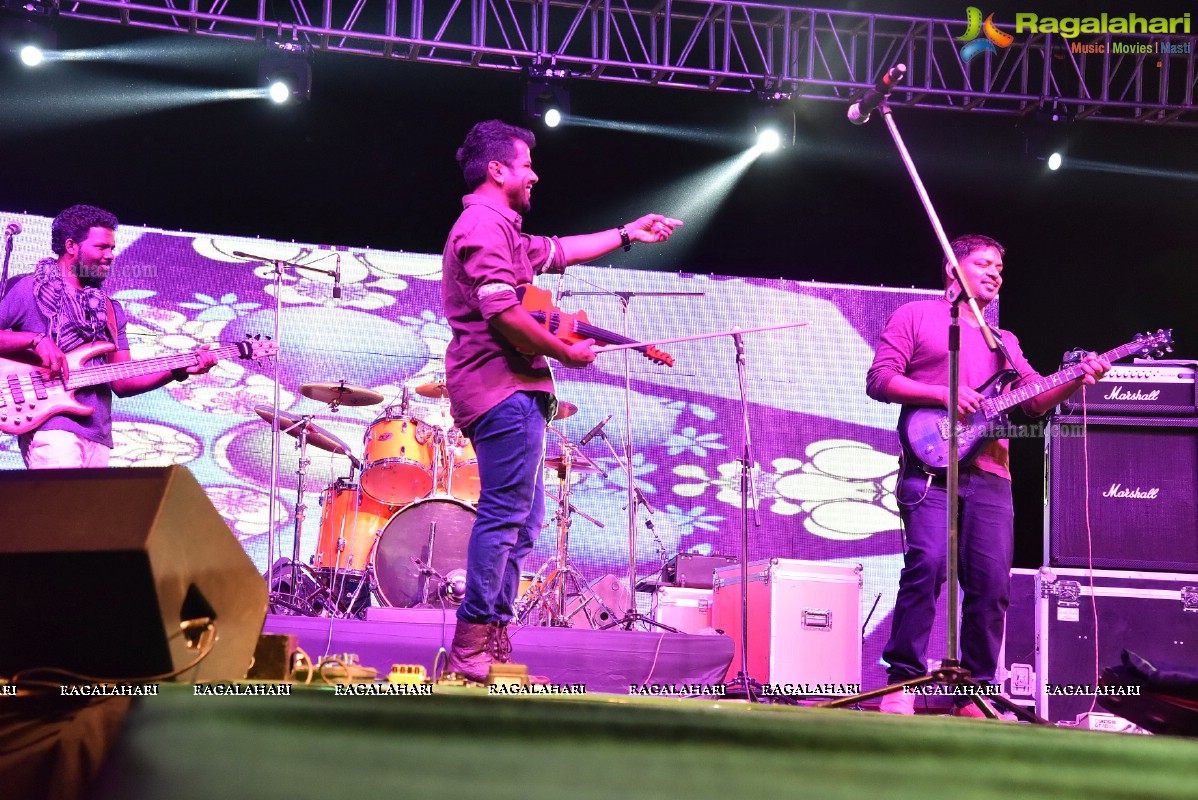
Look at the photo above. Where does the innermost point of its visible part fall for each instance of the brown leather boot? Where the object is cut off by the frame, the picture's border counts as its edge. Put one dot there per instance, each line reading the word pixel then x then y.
pixel 501 645
pixel 470 653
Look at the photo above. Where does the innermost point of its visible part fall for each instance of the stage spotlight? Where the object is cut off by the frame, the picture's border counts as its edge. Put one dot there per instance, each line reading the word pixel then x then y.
pixel 768 140
pixel 285 71
pixel 774 121
pixel 545 95
pixel 27 29
pixel 1046 135
pixel 32 55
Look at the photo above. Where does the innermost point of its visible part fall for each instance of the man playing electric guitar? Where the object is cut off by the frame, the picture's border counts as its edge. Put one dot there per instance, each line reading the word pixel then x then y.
pixel 60 307
pixel 910 367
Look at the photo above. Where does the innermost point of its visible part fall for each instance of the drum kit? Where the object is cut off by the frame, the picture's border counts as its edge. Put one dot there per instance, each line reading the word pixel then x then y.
pixel 400 532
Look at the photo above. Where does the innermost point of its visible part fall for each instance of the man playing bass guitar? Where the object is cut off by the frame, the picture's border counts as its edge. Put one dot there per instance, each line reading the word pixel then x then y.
pixel 60 307
pixel 910 367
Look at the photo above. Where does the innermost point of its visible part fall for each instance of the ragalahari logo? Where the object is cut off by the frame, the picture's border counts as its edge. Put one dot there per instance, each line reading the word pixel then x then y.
pixel 975 27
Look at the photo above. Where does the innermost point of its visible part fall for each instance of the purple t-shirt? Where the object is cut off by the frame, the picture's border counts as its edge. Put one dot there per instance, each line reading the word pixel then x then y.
pixel 914 344
pixel 486 256
pixel 19 312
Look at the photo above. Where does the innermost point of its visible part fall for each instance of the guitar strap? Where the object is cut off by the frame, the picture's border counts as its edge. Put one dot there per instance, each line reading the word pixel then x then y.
pixel 1002 348
pixel 112 332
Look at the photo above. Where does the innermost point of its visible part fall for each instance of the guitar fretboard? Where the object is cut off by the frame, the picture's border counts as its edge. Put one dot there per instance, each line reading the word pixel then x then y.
pixel 106 373
pixel 997 405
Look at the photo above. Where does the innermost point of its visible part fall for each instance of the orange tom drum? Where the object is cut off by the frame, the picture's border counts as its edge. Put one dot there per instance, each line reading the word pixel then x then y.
pixel 398 460
pixel 349 524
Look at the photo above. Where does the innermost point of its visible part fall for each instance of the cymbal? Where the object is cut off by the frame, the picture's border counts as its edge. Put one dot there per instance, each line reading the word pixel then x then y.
pixel 565 409
pixel 555 462
pixel 435 390
pixel 340 394
pixel 317 436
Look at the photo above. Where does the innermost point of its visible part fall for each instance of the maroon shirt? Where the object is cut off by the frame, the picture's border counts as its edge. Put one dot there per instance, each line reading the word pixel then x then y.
pixel 485 258
pixel 914 344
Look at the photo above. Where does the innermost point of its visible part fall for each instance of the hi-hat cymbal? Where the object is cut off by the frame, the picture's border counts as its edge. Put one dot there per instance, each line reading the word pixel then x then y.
pixel 565 409
pixel 340 394
pixel 317 436
pixel 555 462
pixel 435 390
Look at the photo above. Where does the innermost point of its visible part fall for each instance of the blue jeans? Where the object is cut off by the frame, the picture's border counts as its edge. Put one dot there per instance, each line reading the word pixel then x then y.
pixel 985 546
pixel 509 441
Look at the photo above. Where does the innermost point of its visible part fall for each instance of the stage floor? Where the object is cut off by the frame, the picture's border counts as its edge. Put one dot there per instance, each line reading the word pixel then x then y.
pixel 604 661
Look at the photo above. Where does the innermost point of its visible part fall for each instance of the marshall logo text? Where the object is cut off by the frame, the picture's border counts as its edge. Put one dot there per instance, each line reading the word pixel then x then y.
pixel 1117 490
pixel 1119 393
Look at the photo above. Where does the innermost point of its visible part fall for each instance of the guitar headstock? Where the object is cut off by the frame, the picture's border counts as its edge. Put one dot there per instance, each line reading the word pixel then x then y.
pixel 255 347
pixel 1154 345
pixel 658 356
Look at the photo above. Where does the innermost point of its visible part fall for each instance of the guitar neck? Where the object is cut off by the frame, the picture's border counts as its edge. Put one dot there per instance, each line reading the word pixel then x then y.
pixel 106 373
pixel 1041 385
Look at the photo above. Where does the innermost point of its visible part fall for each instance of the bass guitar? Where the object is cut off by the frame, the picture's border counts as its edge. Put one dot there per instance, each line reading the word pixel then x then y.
pixel 29 396
pixel 923 432
pixel 575 327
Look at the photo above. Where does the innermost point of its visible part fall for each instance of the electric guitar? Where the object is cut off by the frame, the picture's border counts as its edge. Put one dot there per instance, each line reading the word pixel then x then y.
pixel 29 396
pixel 923 432
pixel 571 328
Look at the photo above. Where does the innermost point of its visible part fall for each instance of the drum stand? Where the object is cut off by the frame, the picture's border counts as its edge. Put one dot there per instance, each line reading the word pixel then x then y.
pixel 557 579
pixel 290 600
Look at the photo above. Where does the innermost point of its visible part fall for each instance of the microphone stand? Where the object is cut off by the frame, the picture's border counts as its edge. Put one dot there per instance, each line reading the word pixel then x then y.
pixel 276 594
pixel 743 681
pixel 950 671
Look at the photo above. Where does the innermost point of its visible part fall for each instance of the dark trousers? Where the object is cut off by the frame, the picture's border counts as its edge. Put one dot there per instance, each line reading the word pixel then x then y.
pixel 510 443
pixel 985 547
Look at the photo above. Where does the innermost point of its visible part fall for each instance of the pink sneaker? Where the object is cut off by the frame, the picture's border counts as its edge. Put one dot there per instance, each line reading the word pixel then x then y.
pixel 898 702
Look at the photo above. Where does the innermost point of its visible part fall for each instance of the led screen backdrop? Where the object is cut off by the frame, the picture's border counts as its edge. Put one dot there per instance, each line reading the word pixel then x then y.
pixel 826 453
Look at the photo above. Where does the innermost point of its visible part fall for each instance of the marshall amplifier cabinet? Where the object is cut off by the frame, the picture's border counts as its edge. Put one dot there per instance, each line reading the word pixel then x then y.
pixel 1142 493
pixel 1153 388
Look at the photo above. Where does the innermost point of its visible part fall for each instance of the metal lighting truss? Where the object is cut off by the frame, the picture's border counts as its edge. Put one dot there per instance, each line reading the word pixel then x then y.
pixel 712 46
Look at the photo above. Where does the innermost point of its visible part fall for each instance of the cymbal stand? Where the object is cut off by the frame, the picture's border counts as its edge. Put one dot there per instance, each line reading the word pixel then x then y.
pixel 302 424
pixel 632 615
pixel 562 579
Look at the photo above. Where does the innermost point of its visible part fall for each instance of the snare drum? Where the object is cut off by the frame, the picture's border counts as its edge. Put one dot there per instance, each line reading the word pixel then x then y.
pixel 436 531
pixel 349 523
pixel 398 460
pixel 463 468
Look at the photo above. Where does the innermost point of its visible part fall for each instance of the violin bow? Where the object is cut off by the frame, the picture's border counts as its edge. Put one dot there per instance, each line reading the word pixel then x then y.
pixel 607 348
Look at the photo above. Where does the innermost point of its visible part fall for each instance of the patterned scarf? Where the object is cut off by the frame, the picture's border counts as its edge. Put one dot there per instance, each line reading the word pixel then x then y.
pixel 76 316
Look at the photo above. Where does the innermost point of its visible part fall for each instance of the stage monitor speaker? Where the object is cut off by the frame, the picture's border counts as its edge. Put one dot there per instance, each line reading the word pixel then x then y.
pixel 600 604
pixel 101 566
pixel 1143 488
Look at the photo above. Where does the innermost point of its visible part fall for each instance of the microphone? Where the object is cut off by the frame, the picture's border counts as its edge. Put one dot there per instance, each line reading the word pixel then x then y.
pixel 246 256
pixel 337 279
pixel 454 588
pixel 740 345
pixel 13 229
pixel 595 431
pixel 859 112
pixel 640 498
